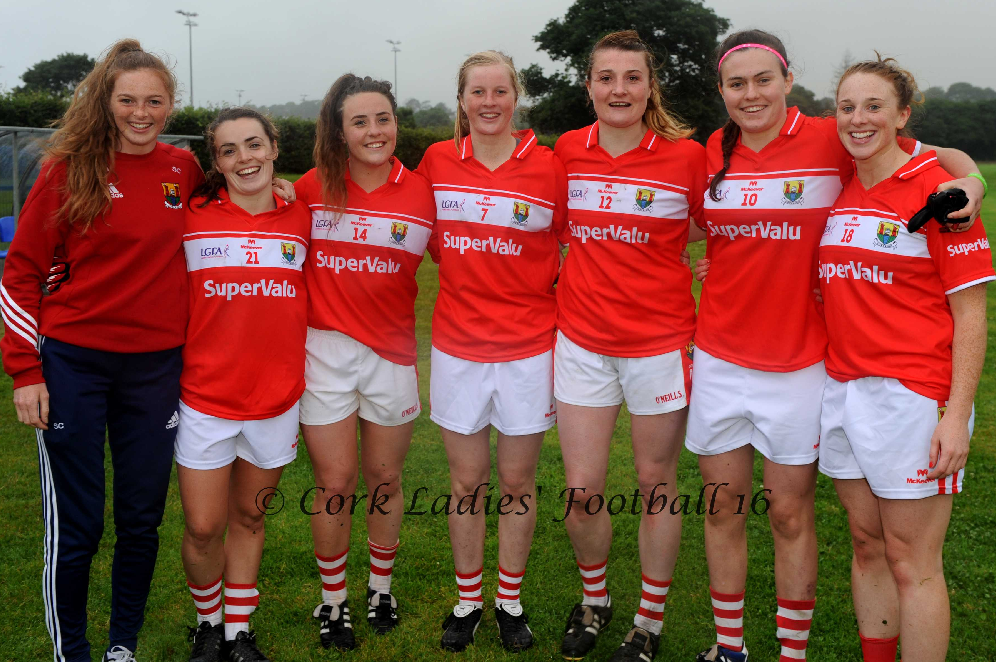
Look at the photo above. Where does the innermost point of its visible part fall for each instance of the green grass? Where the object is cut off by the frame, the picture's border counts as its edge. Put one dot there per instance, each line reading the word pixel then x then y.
pixel 424 582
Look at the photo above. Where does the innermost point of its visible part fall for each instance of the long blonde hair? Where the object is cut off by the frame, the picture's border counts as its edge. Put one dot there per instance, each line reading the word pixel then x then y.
pixel 461 126
pixel 657 117
pixel 87 135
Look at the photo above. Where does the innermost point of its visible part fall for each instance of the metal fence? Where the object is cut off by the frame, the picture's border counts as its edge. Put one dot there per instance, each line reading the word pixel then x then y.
pixel 21 152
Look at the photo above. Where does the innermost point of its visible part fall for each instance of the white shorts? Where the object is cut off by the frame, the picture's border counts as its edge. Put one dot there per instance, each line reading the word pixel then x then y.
pixel 649 385
pixel 778 413
pixel 208 442
pixel 342 375
pixel 514 396
pixel 877 429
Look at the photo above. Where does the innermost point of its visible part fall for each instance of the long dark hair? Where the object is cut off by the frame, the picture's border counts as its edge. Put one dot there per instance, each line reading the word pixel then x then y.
pixel 214 181
pixel 331 151
pixel 731 130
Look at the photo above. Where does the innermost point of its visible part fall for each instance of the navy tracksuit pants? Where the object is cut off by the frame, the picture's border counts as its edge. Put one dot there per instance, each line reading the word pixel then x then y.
pixel 132 399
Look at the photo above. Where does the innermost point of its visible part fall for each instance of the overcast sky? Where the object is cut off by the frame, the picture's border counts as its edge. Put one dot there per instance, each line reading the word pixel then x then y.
pixel 278 51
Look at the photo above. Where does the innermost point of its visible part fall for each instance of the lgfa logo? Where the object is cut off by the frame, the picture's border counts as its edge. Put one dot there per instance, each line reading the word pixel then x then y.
pixel 452 204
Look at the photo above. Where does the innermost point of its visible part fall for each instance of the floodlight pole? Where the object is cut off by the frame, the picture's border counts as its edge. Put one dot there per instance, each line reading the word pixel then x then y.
pixel 190 40
pixel 240 96
pixel 395 50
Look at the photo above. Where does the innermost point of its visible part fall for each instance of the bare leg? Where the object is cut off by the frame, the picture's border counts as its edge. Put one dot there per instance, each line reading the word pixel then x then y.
pixel 204 495
pixel 914 539
pixel 876 597
pixel 335 461
pixel 517 460
pixel 470 466
pixel 657 443
pixel 585 435
pixel 725 530
pixel 792 515
pixel 383 457
pixel 246 522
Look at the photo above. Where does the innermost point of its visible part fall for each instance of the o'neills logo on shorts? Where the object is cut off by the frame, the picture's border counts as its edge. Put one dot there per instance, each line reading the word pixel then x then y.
pixel 489 245
pixel 854 271
pixel 611 233
pixel 762 230
pixel 266 288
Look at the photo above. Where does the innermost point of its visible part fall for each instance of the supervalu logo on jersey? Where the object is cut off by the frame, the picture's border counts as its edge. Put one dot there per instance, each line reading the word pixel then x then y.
pixel 399 232
pixel 520 213
pixel 792 191
pixel 171 192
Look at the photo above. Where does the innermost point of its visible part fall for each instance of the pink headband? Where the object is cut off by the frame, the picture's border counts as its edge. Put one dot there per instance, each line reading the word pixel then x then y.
pixel 761 46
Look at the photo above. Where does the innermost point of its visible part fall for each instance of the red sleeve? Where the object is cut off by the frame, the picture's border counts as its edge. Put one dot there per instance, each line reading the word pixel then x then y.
pixel 560 228
pixel 962 259
pixel 424 170
pixel 37 240
pixel 698 184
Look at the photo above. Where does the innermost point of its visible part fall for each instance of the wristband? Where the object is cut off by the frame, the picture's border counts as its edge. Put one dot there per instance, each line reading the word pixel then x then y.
pixel 985 186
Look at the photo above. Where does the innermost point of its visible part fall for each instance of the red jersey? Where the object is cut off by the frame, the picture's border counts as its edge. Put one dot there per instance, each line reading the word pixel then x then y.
pixel 126 289
pixel 361 272
pixel 497 250
pixel 623 291
pixel 757 308
pixel 244 356
pixel 884 289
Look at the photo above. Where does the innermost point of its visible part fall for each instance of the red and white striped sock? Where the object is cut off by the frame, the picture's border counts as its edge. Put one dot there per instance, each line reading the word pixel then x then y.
pixel 794 618
pixel 381 565
pixel 332 570
pixel 509 584
pixel 650 617
pixel 241 600
pixel 593 584
pixel 728 613
pixel 469 586
pixel 207 600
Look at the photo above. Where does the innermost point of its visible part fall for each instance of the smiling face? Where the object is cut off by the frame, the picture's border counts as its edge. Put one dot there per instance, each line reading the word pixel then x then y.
pixel 868 114
pixel 140 104
pixel 619 86
pixel 370 128
pixel 754 90
pixel 244 155
pixel 489 99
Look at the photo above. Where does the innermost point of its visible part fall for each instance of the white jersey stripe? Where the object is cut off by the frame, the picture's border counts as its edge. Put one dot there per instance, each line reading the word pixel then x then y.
pixel 868 230
pixel 376 229
pixel 491 192
pixel 246 252
pixel 773 173
pixel 615 199
pixel 612 178
pixel 493 210
pixel 232 233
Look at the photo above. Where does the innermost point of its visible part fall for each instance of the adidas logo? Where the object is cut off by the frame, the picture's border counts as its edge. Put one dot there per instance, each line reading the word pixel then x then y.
pixel 174 420
pixel 115 193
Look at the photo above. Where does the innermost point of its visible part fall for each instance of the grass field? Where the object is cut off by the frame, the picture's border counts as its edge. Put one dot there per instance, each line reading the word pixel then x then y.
pixel 424 582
